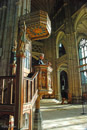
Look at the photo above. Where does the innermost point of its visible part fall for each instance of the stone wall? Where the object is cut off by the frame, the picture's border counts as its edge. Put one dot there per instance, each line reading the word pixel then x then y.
pixel 10 11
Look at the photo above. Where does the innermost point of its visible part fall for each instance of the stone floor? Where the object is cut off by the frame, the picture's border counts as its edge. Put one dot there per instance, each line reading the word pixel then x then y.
pixel 63 117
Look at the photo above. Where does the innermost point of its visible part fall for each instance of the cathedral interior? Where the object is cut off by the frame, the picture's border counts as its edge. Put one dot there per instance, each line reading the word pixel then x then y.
pixel 29 28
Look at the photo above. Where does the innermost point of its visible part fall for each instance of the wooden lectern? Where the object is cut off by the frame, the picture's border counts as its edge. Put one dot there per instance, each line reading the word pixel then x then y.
pixel 44 84
pixel 44 79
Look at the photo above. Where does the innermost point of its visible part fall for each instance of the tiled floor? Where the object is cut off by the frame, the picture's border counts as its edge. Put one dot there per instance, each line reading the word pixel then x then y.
pixel 62 117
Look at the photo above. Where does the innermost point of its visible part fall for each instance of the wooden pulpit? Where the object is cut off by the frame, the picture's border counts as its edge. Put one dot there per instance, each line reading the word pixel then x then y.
pixel 44 79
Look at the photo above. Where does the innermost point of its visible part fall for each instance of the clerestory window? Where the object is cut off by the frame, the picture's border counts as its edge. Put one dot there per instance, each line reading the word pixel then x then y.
pixel 83 60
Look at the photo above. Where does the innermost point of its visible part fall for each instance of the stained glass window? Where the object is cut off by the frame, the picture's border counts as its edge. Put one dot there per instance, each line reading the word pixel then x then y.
pixel 83 60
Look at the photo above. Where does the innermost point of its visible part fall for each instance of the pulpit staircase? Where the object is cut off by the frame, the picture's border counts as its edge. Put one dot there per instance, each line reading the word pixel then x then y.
pixel 18 94
pixel 14 100
pixel 9 96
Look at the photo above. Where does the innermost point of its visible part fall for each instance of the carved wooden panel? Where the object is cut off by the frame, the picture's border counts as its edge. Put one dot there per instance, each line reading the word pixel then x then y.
pixel 38 25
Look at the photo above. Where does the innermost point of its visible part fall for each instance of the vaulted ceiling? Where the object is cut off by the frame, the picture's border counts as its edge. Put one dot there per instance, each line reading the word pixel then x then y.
pixel 45 5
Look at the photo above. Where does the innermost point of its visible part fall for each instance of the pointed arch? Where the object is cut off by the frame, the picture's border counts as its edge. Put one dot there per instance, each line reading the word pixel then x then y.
pixel 81 36
pixel 60 39
pixel 82 16
pixel 64 85
pixel 60 35
pixel 63 67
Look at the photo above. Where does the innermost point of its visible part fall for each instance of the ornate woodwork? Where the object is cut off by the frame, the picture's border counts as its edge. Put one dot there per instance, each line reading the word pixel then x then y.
pixel 9 101
pixel 44 79
pixel 21 91
pixel 38 25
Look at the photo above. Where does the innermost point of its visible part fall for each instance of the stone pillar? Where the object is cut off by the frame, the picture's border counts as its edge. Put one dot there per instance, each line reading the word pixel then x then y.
pixel 14 39
pixel 51 56
pixel 29 6
pixel 0 16
pixel 58 79
pixel 76 92
pixel 7 36
pixel 54 65
pixel 73 74
pixel 37 116
pixel 2 24
pixel 70 64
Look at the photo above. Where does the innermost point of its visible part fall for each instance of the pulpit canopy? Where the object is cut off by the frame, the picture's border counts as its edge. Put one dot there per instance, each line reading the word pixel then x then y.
pixel 38 25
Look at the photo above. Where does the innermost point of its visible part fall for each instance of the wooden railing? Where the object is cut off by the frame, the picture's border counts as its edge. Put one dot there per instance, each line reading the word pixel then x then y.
pixel 7 89
pixel 30 88
pixel 8 93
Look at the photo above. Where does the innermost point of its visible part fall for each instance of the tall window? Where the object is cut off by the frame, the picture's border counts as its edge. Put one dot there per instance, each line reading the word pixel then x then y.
pixel 83 60
pixel 61 50
pixel 27 59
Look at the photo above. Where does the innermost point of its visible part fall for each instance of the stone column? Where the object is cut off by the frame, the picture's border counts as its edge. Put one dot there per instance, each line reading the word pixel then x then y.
pixel 7 37
pixel 73 74
pixel 14 39
pixel 51 56
pixel 2 23
pixel 37 116
pixel 76 92
pixel 29 6
pixel 54 65
pixel 58 84
pixel 0 16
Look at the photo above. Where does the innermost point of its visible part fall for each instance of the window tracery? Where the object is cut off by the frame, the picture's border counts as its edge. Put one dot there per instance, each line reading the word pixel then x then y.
pixel 83 60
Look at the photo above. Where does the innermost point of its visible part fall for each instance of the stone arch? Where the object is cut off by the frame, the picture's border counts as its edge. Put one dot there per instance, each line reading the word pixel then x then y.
pixel 64 84
pixel 60 39
pixel 60 36
pixel 80 25
pixel 82 36
pixel 60 67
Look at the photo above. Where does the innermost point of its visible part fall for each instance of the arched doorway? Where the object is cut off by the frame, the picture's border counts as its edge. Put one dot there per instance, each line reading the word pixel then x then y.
pixel 63 85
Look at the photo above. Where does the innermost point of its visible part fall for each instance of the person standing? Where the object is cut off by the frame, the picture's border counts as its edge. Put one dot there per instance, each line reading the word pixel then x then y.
pixel 40 61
